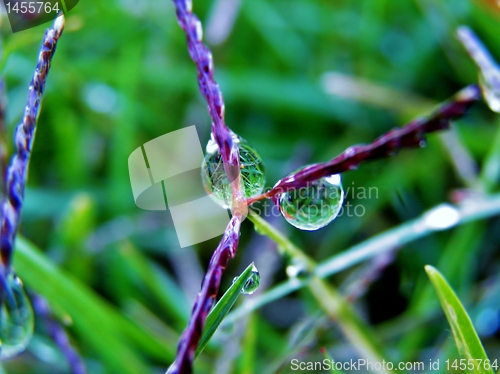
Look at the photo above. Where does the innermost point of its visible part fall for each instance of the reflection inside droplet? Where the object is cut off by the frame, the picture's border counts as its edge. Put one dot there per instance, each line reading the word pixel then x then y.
pixel 16 319
pixel 252 283
pixel 315 205
pixel 215 179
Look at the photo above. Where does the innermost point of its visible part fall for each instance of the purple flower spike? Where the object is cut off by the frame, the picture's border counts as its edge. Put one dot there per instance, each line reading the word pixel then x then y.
pixel 3 151
pixel 17 172
pixel 58 334
pixel 205 299
pixel 412 135
pixel 223 136
pixel 202 57
pixel 386 145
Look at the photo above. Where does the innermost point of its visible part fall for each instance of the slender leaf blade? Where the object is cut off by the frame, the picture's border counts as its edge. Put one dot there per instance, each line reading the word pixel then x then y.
pixel 328 357
pixel 97 322
pixel 466 339
pixel 223 307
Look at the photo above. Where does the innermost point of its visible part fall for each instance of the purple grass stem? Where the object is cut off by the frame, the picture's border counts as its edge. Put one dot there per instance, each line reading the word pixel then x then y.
pixel 17 172
pixel 410 136
pixel 58 334
pixel 3 150
pixel 202 57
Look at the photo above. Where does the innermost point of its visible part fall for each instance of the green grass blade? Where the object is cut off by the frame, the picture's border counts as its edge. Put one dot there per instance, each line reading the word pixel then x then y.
pixel 95 321
pixel 466 339
pixel 248 357
pixel 328 357
pixel 223 307
pixel 164 290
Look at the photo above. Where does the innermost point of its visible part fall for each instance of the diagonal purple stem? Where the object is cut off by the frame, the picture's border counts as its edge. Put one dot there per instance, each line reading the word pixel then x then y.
pixel 202 57
pixel 3 150
pixel 58 334
pixel 16 176
pixel 412 135
pixel 205 298
pixel 223 136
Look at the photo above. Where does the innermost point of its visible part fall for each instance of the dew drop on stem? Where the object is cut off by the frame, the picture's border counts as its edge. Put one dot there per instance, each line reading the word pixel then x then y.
pixel 16 318
pixel 214 177
pixel 315 205
pixel 252 284
pixel 297 268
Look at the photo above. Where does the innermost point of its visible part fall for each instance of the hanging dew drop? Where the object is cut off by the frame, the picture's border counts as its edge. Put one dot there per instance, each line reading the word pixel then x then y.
pixel 16 319
pixel 297 269
pixel 252 283
pixel 214 177
pixel 315 205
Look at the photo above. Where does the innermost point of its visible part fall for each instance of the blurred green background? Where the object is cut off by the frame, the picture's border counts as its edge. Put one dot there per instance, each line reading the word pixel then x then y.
pixel 302 81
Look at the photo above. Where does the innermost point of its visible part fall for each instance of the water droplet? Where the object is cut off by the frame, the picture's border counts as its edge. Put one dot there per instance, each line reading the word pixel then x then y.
pixel 16 319
pixel 491 90
pixel 315 205
pixel 297 269
pixel 215 179
pixel 259 230
pixel 252 283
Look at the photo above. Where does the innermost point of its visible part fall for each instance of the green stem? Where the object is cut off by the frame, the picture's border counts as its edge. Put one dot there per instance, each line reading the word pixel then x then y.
pixel 469 211
pixel 327 296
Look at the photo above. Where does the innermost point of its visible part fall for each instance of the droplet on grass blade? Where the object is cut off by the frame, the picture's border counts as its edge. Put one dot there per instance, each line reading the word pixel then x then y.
pixel 216 181
pixel 16 319
pixel 297 269
pixel 442 217
pixel 315 205
pixel 252 283
pixel 259 230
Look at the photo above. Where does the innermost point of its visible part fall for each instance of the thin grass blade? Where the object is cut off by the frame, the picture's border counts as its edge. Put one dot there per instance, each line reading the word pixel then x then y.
pixel 96 322
pixel 223 307
pixel 328 357
pixel 466 339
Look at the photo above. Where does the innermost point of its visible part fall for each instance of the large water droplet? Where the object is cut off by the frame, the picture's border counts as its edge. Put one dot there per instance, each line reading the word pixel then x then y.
pixel 315 205
pixel 252 283
pixel 16 319
pixel 215 179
